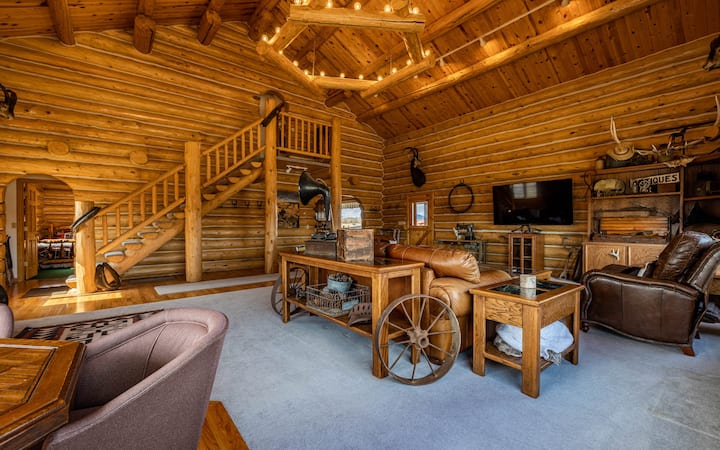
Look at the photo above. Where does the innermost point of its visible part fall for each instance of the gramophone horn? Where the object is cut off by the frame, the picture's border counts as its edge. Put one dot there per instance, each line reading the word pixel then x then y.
pixel 308 188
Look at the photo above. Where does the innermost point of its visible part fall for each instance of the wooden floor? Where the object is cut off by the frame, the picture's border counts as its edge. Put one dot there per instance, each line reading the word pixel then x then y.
pixel 132 292
pixel 219 431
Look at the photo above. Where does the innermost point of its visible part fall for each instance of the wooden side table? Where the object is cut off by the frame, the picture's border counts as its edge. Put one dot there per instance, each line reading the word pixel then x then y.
pixel 504 302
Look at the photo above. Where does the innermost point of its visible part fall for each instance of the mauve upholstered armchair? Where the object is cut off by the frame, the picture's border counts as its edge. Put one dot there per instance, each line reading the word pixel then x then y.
pixel 7 319
pixel 146 386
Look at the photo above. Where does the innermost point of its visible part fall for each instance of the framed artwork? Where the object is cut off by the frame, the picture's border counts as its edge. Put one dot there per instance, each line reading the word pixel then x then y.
pixel 288 209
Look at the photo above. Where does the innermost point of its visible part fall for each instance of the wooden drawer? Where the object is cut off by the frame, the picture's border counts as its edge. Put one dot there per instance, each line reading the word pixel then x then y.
pixel 597 255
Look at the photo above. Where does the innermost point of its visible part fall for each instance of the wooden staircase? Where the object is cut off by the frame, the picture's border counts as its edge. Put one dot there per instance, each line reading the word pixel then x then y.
pixel 139 224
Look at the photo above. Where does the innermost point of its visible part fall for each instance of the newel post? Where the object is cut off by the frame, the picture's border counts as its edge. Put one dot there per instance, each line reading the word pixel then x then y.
pixel 336 174
pixel 193 213
pixel 85 251
pixel 271 202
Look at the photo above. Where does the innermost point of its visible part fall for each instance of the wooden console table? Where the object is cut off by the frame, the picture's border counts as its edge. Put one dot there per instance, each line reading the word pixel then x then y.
pixel 504 302
pixel 475 246
pixel 36 388
pixel 386 278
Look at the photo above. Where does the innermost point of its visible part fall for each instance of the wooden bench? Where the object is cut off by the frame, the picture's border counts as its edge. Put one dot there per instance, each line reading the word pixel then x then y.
pixel 219 431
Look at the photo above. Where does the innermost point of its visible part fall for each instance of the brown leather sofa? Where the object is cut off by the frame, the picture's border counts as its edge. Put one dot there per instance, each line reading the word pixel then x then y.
pixel 666 304
pixel 448 275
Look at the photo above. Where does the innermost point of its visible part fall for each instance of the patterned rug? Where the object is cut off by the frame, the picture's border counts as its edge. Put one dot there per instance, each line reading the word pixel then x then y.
pixel 84 332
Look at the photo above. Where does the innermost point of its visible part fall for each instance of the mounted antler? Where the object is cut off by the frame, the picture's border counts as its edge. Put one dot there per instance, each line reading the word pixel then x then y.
pixel 7 104
pixel 713 130
pixel 620 152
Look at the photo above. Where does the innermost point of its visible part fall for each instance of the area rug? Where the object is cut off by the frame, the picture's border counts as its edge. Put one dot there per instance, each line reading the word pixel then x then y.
pixel 214 284
pixel 84 332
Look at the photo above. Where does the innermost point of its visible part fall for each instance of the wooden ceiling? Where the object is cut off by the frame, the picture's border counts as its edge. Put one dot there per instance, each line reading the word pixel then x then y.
pixel 483 52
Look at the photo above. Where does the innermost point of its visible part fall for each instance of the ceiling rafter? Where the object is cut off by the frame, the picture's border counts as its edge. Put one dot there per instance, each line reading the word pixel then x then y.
pixel 600 16
pixel 62 21
pixel 300 17
pixel 210 22
pixel 261 18
pixel 144 26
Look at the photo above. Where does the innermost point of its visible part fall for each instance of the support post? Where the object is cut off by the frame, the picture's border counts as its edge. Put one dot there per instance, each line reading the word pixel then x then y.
pixel 271 202
pixel 193 213
pixel 85 251
pixel 336 174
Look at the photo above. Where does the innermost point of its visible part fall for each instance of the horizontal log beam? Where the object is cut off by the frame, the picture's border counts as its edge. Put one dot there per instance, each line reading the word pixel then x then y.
pixel 352 18
pixel 210 23
pixel 346 84
pixel 399 76
pixel 143 33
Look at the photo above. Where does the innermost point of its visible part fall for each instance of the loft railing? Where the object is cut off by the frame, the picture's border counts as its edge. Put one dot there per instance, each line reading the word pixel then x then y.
pixel 303 136
pixel 124 218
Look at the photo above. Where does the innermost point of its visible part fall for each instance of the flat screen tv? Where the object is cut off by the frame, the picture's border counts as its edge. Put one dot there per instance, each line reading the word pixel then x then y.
pixel 547 202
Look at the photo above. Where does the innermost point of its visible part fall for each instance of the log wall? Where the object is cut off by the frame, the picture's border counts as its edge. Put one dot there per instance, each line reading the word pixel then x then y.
pixel 104 119
pixel 555 133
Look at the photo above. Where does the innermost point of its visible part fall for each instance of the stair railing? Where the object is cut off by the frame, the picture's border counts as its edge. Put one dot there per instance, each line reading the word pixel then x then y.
pixel 124 218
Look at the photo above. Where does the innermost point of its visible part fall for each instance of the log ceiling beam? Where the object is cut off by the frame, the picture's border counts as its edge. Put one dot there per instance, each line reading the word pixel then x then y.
pixel 210 22
pixel 337 97
pixel 144 26
pixel 261 18
pixel 598 17
pixel 351 18
pixel 436 29
pixel 62 21
pixel 345 84
pixel 265 50
pixel 399 76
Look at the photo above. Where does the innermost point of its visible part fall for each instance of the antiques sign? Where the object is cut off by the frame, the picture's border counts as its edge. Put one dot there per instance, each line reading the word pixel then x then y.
pixel 645 184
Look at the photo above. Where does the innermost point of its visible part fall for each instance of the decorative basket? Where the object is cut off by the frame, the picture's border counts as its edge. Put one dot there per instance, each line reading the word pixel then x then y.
pixel 333 303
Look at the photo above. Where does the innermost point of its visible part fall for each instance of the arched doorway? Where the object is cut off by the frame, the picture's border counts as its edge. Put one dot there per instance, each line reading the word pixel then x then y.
pixel 40 210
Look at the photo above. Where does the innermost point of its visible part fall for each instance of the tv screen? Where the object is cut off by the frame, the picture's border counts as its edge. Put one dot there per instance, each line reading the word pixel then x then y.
pixel 534 203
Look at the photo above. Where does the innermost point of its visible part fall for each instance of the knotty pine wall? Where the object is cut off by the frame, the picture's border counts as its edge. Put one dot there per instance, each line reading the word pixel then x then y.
pixel 555 133
pixel 104 119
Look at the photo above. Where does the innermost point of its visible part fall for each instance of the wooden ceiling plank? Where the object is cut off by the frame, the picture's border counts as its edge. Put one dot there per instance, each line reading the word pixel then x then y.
pixel 337 97
pixel 351 18
pixel 399 76
pixel 62 21
pixel 436 29
pixel 600 16
pixel 265 50
pixel 262 18
pixel 286 35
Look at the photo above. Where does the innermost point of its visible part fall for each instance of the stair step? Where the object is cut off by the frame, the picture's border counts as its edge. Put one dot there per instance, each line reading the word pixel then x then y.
pixel 163 224
pixel 115 256
pixel 256 164
pixel 221 187
pixel 208 197
pixel 132 244
pixel 149 234
pixel 179 215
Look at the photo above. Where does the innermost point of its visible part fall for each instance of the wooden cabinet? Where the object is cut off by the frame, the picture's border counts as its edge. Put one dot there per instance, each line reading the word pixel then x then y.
pixel 701 186
pixel 600 254
pixel 525 253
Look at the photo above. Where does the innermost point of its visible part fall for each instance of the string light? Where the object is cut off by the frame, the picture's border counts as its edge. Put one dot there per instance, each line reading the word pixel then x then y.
pixel 357 6
pixel 342 74
pixel 388 8
pixel 329 4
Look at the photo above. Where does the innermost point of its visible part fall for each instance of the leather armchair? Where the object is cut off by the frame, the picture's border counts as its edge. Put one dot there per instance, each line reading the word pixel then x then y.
pixel 448 275
pixel 666 304
pixel 146 386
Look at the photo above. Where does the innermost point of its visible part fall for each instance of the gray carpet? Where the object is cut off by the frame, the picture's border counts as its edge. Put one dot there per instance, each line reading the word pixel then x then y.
pixel 307 385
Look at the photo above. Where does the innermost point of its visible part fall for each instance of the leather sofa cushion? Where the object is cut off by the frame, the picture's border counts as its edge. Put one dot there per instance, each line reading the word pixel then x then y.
pixel 675 259
pixel 445 262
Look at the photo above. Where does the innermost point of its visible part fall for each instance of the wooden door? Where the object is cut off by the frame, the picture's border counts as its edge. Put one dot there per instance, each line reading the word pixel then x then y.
pixel 29 214
pixel 420 219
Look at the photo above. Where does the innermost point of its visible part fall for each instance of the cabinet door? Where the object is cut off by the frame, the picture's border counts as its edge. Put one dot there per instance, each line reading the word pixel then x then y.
pixel 598 256
pixel 639 255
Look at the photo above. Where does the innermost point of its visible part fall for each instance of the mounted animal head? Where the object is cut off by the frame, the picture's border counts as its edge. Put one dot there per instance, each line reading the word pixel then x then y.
pixel 418 176
pixel 7 106
pixel 713 59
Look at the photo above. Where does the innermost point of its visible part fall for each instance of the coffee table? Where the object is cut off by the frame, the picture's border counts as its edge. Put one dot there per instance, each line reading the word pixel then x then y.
pixel 506 302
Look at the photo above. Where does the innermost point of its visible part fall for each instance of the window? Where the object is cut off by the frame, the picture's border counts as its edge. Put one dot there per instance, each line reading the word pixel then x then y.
pixel 419 213
pixel 351 214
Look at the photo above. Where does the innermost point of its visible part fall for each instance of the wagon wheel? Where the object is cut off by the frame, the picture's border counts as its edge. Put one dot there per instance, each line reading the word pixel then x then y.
pixel 429 343
pixel 297 282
